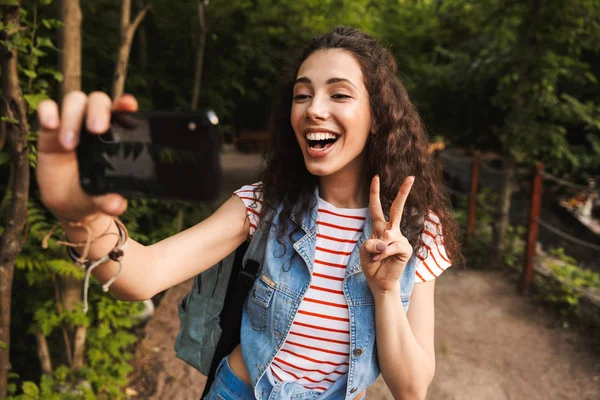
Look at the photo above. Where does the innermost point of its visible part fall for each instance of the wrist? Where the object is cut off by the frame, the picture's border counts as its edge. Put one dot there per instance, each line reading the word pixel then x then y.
pixel 96 225
pixel 381 294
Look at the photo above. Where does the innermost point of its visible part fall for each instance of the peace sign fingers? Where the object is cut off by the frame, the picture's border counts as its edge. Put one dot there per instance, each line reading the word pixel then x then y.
pixel 385 254
pixel 397 208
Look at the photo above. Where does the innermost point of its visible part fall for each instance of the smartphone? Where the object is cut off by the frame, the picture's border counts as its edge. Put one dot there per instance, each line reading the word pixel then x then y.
pixel 153 154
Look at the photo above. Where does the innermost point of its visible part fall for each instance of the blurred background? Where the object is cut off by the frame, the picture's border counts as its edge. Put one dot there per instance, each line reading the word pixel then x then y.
pixel 510 96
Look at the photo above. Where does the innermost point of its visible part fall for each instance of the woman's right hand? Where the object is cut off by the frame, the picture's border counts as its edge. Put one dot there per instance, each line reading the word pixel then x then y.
pixel 57 168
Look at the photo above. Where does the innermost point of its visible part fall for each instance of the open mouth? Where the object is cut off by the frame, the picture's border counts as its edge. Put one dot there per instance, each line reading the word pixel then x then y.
pixel 321 140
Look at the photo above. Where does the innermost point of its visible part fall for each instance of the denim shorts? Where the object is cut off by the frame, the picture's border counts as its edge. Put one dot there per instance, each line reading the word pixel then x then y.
pixel 228 386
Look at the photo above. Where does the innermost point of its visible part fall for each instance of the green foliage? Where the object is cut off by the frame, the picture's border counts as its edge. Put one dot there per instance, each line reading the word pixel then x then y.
pixel 109 339
pixel 564 292
pixel 481 82
pixel 51 387
pixel 477 252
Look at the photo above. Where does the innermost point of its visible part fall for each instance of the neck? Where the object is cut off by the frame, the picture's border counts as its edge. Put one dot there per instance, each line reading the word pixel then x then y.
pixel 344 191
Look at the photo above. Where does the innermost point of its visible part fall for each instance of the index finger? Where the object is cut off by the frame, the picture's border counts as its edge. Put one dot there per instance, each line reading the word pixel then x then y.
pixel 48 116
pixel 126 103
pixel 375 200
pixel 397 207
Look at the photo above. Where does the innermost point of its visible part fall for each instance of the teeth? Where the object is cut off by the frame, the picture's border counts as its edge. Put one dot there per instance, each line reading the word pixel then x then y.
pixel 320 136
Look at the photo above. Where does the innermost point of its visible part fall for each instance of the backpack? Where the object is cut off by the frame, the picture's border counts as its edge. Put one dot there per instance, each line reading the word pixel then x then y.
pixel 211 314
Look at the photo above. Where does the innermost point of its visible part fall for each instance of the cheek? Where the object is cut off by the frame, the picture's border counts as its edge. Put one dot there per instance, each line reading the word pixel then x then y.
pixel 295 115
pixel 357 121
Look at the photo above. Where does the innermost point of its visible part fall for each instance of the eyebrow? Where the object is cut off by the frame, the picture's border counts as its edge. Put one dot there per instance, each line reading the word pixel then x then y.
pixel 329 81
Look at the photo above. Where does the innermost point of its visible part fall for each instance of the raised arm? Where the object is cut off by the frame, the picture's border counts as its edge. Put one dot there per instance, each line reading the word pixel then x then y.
pixel 147 270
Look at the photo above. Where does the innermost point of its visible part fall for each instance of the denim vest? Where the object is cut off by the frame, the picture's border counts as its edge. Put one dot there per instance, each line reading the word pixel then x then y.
pixel 274 300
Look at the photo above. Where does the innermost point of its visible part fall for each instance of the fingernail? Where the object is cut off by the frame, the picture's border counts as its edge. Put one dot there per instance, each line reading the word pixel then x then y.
pixel 412 178
pixel 68 140
pixel 94 125
pixel 50 121
pixel 380 247
pixel 377 257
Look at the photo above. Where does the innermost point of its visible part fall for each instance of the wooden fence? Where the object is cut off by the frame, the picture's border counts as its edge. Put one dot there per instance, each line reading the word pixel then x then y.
pixel 536 177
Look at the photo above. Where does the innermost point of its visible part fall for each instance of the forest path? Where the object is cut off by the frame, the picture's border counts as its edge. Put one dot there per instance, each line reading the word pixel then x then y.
pixel 490 342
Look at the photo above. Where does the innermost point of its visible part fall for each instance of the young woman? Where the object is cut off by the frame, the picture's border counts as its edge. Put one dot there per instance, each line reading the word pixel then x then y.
pixel 356 211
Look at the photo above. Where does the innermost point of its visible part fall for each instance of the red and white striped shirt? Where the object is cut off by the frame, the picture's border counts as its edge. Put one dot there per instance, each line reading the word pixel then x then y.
pixel 316 351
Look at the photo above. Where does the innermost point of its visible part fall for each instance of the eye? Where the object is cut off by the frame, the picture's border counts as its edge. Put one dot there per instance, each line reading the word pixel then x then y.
pixel 341 96
pixel 301 97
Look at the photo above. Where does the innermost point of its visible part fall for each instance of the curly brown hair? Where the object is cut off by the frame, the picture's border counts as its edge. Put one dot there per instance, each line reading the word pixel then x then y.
pixel 398 150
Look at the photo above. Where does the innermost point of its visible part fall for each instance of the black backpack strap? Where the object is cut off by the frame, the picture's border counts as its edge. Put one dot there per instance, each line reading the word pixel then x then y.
pixel 230 319
pixel 231 315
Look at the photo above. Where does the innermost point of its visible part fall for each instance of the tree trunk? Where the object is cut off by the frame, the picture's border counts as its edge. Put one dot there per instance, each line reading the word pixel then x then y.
pixel 11 242
pixel 69 61
pixel 514 120
pixel 199 54
pixel 128 29
pixel 503 220
pixel 43 353
pixel 69 40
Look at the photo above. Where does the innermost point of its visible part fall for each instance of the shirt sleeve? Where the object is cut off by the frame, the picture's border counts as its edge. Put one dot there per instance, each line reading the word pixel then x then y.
pixel 432 259
pixel 251 195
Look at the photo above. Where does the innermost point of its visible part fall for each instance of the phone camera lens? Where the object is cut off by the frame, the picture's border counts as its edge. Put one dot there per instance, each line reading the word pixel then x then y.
pixel 212 117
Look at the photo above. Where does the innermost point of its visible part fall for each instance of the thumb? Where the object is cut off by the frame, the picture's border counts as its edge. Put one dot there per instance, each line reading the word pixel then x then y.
pixel 111 203
pixel 375 246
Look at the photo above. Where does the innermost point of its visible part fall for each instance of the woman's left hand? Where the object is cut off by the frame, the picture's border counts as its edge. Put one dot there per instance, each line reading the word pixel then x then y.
pixel 385 254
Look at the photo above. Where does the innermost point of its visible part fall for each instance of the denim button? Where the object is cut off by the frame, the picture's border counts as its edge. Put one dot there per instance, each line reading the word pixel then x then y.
pixel 353 390
pixel 357 352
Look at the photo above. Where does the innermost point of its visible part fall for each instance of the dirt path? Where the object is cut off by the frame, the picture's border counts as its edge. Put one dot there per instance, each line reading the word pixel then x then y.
pixel 490 342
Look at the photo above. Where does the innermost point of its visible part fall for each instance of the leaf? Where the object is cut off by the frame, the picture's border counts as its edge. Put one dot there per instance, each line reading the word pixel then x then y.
pixel 45 42
pixel 37 52
pixel 52 23
pixel 9 3
pixel 11 388
pixel 30 73
pixel 33 100
pixel 51 71
pixel 31 389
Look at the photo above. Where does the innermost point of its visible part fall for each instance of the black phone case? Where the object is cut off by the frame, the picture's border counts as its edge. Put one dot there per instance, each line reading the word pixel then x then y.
pixel 152 154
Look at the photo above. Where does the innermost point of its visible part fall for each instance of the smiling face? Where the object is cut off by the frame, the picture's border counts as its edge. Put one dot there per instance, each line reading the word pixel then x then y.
pixel 331 114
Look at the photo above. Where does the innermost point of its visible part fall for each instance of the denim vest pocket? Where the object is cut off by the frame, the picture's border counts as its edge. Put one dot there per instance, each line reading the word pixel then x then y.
pixel 258 304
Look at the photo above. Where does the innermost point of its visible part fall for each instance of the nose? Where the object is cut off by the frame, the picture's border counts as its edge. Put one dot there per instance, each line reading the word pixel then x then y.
pixel 317 109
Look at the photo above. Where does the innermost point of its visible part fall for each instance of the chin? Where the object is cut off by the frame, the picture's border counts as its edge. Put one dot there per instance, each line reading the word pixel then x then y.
pixel 318 170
